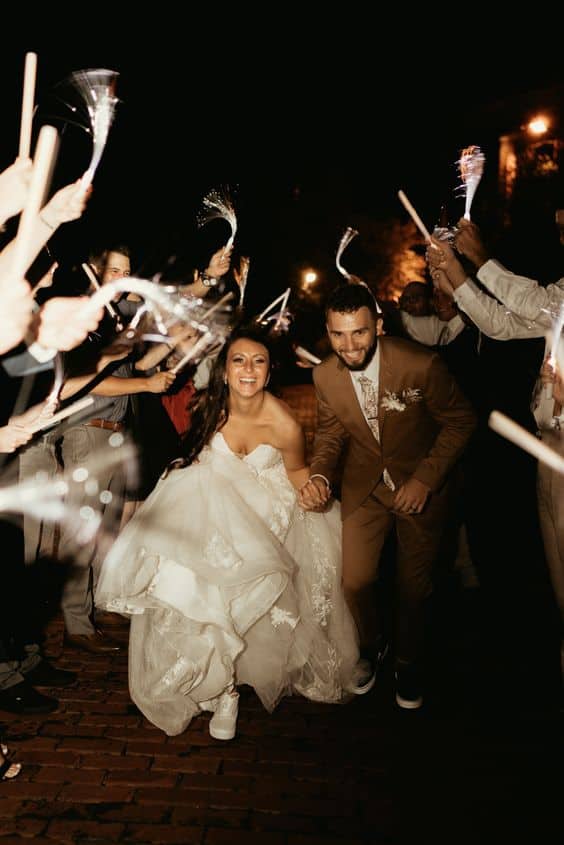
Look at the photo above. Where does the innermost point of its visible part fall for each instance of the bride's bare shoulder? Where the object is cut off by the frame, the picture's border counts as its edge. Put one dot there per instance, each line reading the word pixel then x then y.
pixel 283 417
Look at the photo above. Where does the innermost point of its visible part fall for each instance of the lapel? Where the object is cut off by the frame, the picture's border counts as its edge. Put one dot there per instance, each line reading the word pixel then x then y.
pixel 350 411
pixel 384 381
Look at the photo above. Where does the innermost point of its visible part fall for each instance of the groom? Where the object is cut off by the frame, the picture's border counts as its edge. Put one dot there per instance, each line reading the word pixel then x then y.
pixel 395 416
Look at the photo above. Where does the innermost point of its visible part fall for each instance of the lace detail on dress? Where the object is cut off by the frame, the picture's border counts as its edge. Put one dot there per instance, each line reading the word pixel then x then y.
pixel 220 554
pixel 282 496
pixel 278 617
pixel 123 606
pixel 329 689
pixel 323 580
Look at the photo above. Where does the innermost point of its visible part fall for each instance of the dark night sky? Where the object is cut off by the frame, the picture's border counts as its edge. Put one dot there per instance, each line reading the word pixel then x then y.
pixel 310 135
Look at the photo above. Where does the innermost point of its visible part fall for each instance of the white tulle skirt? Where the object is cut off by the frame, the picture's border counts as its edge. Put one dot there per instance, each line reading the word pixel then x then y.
pixel 227 580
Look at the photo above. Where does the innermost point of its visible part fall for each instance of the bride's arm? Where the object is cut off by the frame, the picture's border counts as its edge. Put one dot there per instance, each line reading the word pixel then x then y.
pixel 292 447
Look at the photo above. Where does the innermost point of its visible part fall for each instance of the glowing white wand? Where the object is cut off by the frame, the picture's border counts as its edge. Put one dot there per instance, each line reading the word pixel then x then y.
pixel 348 236
pixel 97 88
pixel 471 166
pixel 28 99
pixel 217 204
pixel 525 440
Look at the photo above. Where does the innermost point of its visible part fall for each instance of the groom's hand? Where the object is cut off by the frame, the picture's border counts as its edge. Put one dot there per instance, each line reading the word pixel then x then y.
pixel 314 495
pixel 411 497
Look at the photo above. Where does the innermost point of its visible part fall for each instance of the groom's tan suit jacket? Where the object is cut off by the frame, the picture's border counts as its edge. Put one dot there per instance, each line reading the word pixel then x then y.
pixel 424 423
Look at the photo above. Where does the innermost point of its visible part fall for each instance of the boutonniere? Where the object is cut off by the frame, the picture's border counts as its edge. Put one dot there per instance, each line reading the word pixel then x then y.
pixel 399 401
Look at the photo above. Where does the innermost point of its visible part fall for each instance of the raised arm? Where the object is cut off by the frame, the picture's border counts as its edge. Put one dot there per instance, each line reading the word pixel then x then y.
pixel 523 296
pixel 14 182
pixel 66 205
pixel 490 316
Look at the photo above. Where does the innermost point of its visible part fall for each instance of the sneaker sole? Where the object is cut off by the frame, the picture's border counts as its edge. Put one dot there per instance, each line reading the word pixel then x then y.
pixel 365 687
pixel 219 734
pixel 409 703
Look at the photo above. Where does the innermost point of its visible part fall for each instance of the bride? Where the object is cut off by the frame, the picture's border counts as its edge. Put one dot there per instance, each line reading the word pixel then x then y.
pixel 227 581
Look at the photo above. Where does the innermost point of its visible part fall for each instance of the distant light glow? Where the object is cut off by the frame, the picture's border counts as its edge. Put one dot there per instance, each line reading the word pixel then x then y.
pixel 538 125
pixel 309 276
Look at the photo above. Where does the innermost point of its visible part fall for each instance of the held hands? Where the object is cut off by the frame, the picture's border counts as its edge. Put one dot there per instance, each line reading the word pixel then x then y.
pixel 411 497
pixel 314 495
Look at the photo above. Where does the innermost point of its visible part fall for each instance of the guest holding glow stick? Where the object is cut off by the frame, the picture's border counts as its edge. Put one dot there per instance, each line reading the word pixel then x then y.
pixel 533 309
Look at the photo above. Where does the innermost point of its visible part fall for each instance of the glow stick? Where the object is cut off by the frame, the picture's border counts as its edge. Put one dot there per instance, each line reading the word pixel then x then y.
pixel 282 309
pixel 309 356
pixel 205 339
pixel 272 305
pixel 415 217
pixel 107 305
pixel 28 102
pixel 77 406
pixel 525 440
pixel 44 158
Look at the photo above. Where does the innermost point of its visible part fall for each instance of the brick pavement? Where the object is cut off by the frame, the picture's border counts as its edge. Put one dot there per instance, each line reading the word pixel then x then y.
pixel 95 771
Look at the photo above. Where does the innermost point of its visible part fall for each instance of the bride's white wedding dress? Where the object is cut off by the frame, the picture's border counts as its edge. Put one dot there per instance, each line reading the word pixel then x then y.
pixel 223 573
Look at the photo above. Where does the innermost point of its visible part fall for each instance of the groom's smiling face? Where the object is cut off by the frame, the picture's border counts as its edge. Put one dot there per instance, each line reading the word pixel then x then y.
pixel 353 336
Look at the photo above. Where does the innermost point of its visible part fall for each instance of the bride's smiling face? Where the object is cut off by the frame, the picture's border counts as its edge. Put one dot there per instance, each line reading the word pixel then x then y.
pixel 247 368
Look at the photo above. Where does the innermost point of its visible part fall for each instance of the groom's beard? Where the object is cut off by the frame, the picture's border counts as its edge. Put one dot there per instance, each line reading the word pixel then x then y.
pixel 362 365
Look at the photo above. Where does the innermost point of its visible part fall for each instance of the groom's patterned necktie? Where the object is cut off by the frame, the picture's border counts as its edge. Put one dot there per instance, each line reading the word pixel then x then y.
pixel 370 404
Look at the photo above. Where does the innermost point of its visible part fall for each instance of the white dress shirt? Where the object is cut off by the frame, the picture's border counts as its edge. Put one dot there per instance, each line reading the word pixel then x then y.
pixel 431 331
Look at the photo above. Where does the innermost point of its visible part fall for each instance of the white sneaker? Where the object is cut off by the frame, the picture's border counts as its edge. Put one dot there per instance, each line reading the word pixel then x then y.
pixel 224 720
pixel 365 678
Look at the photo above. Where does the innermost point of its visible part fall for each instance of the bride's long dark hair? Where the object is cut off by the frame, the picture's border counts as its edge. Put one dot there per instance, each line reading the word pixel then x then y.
pixel 210 407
